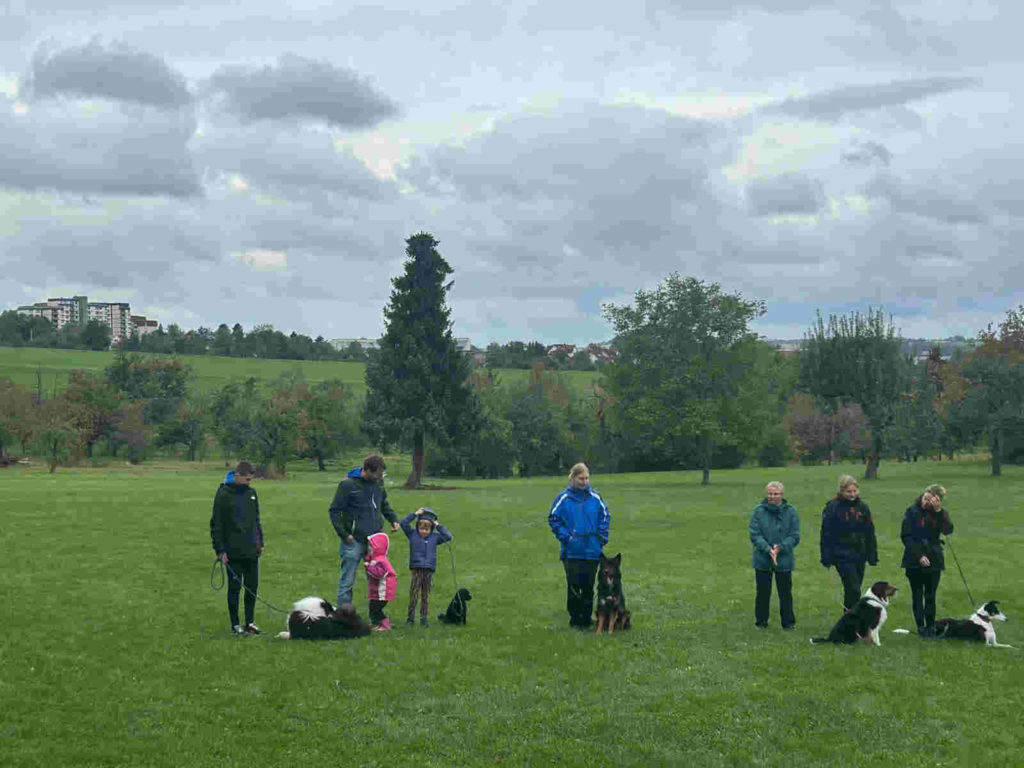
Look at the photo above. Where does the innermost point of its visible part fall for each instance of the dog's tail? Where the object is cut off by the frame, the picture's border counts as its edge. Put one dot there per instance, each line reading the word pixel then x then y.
pixel 901 631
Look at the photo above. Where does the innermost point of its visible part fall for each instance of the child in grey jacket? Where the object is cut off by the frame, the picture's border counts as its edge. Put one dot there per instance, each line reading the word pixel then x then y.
pixel 424 539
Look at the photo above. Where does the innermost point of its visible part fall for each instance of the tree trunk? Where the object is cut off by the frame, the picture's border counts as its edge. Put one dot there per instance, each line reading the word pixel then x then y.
pixel 706 475
pixel 416 475
pixel 320 462
pixel 871 473
pixel 997 453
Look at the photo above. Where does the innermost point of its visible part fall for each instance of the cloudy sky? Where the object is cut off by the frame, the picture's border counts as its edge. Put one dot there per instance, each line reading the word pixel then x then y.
pixel 265 161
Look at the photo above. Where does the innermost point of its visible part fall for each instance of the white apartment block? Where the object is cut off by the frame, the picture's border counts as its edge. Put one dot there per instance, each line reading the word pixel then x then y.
pixel 78 310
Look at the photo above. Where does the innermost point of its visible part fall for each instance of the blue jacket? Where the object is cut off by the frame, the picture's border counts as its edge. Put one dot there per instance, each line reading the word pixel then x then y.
pixel 580 521
pixel 423 549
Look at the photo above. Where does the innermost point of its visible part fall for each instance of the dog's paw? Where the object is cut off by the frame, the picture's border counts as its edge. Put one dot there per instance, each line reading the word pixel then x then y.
pixel 286 635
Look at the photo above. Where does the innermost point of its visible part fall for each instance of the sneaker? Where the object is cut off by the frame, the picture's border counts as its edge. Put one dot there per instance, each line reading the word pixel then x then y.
pixel 789 626
pixel 251 629
pixel 237 631
pixel 761 626
pixel 424 621
pixel 385 624
pixel 410 623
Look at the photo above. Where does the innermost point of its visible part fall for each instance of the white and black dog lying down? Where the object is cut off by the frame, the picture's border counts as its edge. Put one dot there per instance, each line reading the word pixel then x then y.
pixel 979 627
pixel 864 620
pixel 313 618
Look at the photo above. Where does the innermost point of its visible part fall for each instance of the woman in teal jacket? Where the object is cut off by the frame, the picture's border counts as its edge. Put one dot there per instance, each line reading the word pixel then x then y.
pixel 774 533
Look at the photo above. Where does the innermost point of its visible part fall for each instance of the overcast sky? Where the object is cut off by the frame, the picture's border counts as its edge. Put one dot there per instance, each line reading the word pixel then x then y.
pixel 265 161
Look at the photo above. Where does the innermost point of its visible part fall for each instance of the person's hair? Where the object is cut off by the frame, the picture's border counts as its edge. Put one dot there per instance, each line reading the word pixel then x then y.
pixel 374 463
pixel 577 469
pixel 935 490
pixel 776 484
pixel 846 480
pixel 245 468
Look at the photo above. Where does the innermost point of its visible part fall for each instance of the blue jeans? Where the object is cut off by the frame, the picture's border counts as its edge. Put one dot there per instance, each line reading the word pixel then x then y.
pixel 351 554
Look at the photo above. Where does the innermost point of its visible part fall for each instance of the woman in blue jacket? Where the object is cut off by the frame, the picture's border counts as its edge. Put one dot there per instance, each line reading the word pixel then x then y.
pixel 580 520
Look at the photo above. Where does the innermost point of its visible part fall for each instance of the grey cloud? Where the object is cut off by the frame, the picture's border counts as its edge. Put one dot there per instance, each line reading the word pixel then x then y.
pixel 108 72
pixel 301 89
pixel 785 194
pixel 834 103
pixel 932 201
pixel 292 163
pixel 113 152
pixel 865 154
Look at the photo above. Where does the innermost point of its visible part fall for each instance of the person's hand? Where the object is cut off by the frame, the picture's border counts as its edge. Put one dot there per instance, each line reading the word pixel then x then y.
pixel 774 552
pixel 924 561
pixel 394 526
pixel 349 539
pixel 223 557
pixel 262 549
pixel 418 511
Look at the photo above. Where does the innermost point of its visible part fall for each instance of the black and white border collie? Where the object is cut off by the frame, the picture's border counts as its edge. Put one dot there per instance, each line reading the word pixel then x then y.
pixel 864 620
pixel 980 627
pixel 313 618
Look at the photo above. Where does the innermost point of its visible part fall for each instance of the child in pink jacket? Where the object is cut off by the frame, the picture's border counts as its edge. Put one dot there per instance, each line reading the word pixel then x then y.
pixel 381 580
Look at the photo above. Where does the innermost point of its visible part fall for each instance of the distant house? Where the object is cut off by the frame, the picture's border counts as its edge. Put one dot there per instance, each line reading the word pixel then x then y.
pixel 566 349
pixel 599 353
pixel 343 344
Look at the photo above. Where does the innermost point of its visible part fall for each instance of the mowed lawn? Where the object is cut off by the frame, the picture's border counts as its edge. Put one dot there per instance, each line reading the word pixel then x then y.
pixel 28 366
pixel 117 652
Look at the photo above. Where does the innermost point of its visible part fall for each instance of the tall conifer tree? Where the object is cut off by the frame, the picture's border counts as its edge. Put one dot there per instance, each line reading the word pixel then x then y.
pixel 418 383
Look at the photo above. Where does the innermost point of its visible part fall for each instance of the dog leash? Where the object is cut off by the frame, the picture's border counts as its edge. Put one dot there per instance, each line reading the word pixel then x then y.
pixel 217 587
pixel 957 561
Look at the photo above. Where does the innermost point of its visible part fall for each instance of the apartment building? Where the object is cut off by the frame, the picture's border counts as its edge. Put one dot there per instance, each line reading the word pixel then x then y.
pixel 78 310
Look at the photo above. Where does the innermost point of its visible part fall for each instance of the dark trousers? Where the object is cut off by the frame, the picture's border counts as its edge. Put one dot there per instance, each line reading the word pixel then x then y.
pixel 853 579
pixel 924 584
pixel 784 582
pixel 248 570
pixel 419 589
pixel 377 611
pixel 579 591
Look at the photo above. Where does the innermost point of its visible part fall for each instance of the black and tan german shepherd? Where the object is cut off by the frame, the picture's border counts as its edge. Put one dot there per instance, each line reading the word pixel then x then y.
pixel 611 603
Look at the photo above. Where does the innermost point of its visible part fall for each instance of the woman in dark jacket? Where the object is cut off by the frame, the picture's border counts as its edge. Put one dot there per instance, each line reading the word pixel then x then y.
pixel 922 554
pixel 848 538
pixel 580 520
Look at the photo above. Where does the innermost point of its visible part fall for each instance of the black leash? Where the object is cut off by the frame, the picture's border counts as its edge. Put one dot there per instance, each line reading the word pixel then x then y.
pixel 957 561
pixel 236 577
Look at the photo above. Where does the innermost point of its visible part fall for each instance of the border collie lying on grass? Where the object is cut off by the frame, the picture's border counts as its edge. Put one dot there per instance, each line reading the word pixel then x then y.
pixel 979 627
pixel 313 618
pixel 864 620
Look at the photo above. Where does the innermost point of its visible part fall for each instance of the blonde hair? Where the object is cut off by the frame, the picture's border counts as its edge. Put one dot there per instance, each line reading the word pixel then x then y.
pixel 578 469
pixel 846 480
pixel 776 484
pixel 935 490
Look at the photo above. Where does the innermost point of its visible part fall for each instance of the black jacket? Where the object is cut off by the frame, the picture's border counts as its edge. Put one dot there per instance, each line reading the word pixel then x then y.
pixel 920 534
pixel 847 534
pixel 359 507
pixel 235 523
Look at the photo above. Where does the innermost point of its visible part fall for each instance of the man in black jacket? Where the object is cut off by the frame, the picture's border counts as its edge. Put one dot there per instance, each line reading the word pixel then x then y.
pixel 237 538
pixel 358 510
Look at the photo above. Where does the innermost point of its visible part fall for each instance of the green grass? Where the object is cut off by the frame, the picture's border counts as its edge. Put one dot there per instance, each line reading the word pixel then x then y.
pixel 55 365
pixel 116 652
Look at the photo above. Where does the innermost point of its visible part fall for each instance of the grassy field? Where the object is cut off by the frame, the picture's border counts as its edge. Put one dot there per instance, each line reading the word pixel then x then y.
pixel 117 653
pixel 54 366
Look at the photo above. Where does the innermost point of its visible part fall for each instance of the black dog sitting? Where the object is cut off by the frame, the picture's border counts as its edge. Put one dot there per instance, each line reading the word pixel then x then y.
pixel 863 622
pixel 611 603
pixel 457 611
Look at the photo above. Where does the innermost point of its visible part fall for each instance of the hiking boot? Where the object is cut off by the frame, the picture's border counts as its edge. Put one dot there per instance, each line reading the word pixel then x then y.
pixel 251 629
pixel 237 631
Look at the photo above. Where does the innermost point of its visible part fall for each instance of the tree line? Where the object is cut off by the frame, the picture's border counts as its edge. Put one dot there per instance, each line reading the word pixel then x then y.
pixel 690 387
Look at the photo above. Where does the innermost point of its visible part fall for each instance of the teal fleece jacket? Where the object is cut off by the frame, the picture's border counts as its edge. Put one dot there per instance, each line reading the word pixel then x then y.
pixel 772 524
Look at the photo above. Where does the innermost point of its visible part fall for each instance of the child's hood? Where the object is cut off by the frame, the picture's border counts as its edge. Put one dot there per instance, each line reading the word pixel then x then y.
pixel 355 472
pixel 379 544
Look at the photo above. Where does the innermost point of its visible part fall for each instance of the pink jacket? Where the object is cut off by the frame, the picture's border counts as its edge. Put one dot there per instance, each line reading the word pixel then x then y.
pixel 381 579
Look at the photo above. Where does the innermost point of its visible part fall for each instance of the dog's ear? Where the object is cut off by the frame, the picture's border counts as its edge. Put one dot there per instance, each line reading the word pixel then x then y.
pixel 617 559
